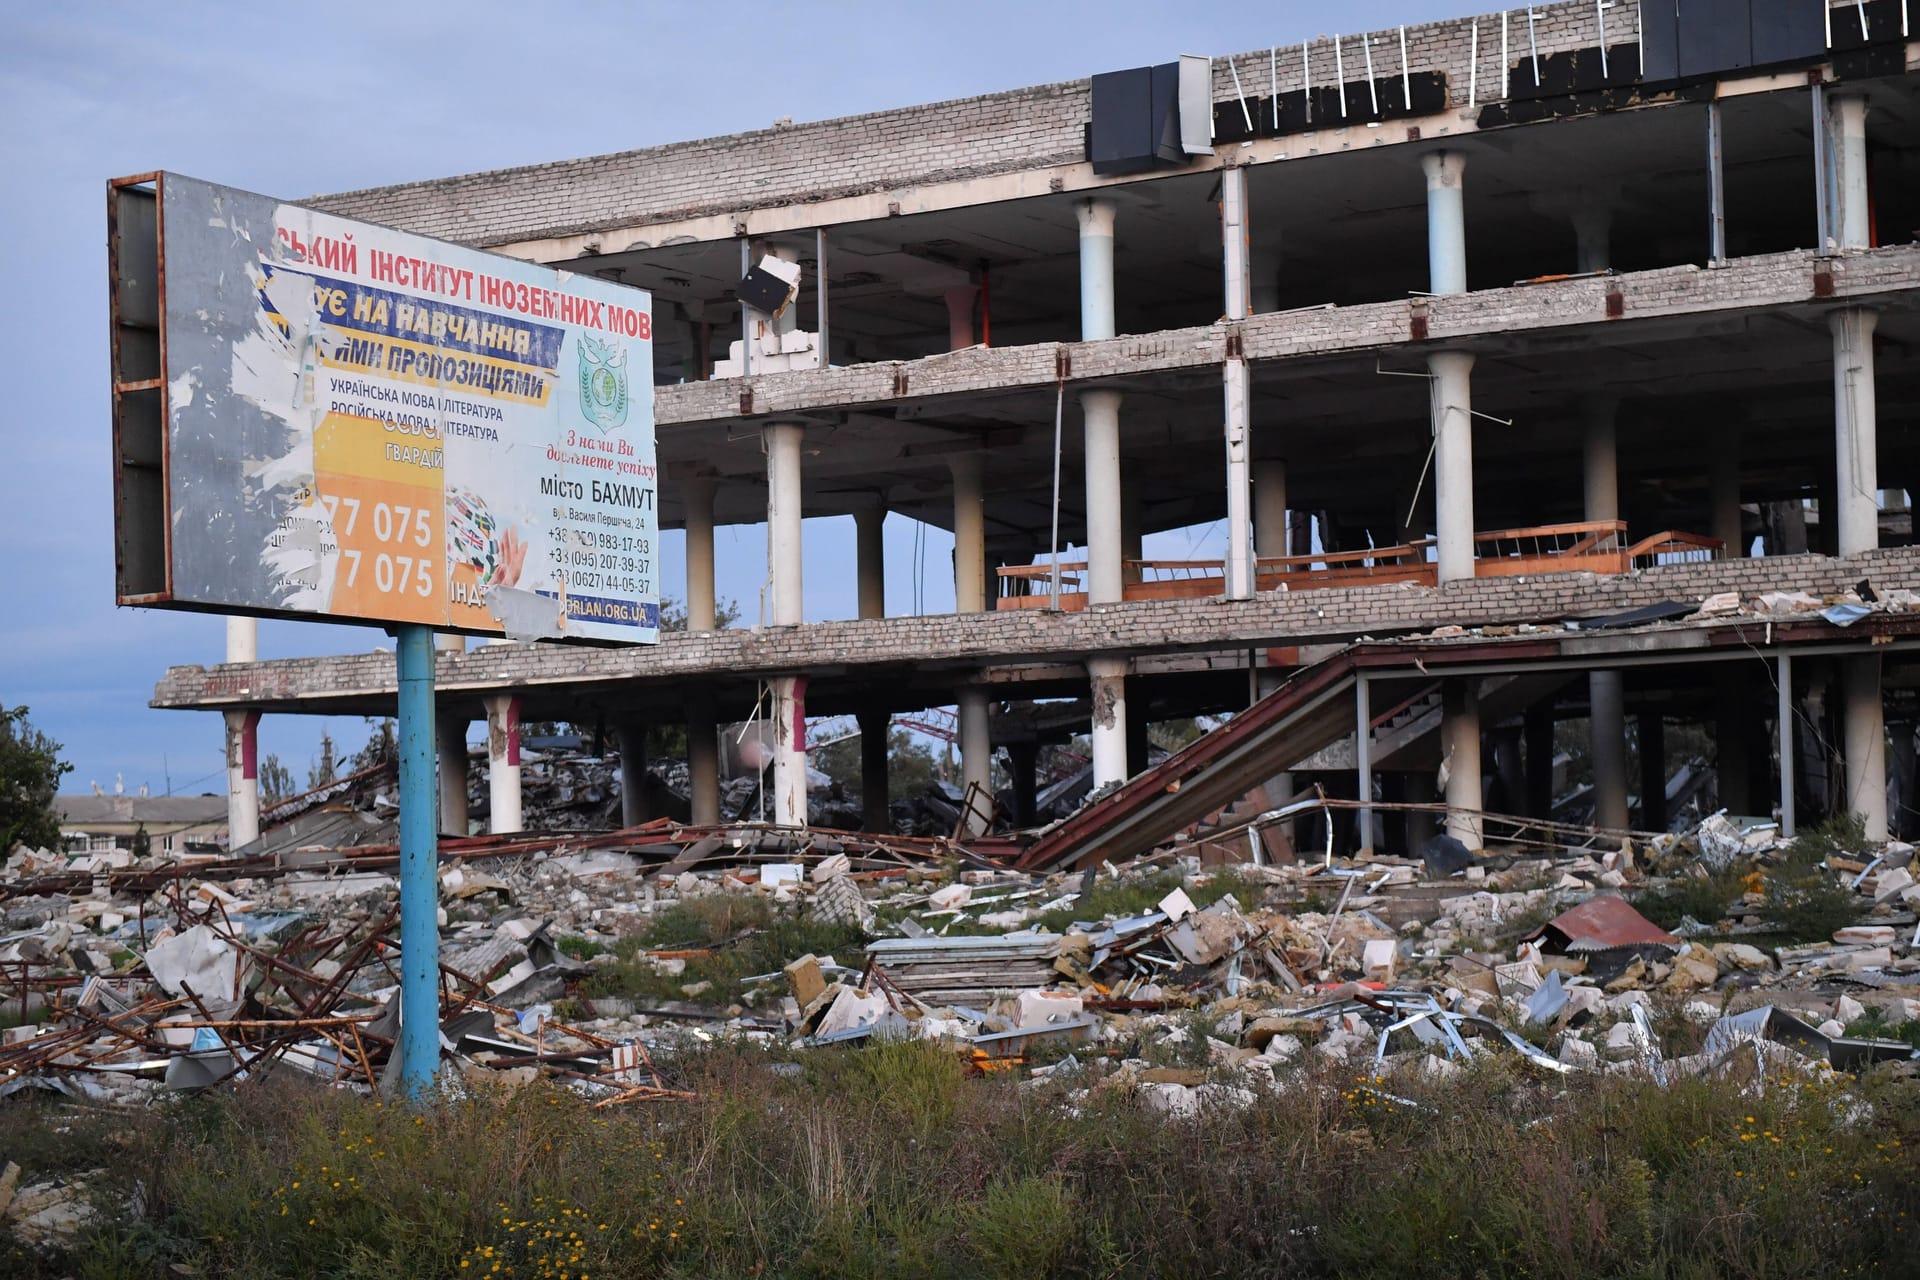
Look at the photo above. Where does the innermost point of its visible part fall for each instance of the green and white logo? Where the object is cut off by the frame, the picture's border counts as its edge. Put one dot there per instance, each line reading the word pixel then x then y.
pixel 603 383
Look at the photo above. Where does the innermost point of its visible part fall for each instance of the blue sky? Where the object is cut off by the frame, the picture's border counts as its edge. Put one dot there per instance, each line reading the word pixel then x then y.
pixel 355 94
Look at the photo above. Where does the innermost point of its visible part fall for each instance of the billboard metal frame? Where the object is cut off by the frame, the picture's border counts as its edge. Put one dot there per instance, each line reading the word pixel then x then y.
pixel 137 304
pixel 149 500
pixel 145 575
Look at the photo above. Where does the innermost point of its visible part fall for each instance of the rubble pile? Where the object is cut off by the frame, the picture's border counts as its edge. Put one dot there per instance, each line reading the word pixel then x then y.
pixel 122 980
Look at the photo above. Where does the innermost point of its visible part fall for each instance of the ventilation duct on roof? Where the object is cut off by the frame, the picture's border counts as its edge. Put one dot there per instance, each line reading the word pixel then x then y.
pixel 1151 117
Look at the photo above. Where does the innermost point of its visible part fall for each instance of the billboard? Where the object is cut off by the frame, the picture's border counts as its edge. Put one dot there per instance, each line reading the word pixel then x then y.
pixel 321 418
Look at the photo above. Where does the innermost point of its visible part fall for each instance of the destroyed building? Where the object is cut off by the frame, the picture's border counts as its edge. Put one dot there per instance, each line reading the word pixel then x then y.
pixel 101 823
pixel 1542 350
pixel 1531 364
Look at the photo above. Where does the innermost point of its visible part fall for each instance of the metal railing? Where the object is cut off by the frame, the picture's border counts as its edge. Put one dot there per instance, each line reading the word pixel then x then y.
pixel 1587 546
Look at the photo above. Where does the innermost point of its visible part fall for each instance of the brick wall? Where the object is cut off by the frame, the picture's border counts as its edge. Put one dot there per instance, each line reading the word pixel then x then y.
pixel 970 137
pixel 965 641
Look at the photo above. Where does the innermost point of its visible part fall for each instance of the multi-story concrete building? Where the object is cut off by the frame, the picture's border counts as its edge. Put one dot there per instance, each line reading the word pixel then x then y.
pixel 1542 314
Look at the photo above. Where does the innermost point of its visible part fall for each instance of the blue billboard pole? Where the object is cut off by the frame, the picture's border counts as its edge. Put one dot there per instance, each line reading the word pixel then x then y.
pixel 419 867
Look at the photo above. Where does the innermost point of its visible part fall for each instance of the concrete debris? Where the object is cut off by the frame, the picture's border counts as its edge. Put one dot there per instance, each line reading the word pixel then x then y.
pixel 838 900
pixel 139 977
pixel 49 1211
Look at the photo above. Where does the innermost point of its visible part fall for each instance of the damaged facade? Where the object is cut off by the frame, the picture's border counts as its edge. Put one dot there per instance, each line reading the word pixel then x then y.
pixel 1535 381
pixel 1550 319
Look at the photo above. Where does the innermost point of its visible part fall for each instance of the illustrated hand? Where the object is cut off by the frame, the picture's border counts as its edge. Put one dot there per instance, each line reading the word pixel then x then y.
pixel 513 556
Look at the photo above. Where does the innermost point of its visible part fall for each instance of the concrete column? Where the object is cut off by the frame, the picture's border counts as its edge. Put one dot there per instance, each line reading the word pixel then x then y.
pixel 1856 433
pixel 1592 235
pixel 1734 734
pixel 1538 728
pixel 782 441
pixel 243 743
pixel 1269 514
pixel 876 727
pixel 1653 772
pixel 1600 463
pixel 1607 723
pixel 1363 760
pixel 969 534
pixel 1446 221
pixel 1234 245
pixel 451 749
pixel 1606 690
pixel 1023 770
pixel 634 808
pixel 1451 400
pixel 1263 271
pixel 697 493
pixel 1270 507
pixel 1849 112
pixel 1901 768
pixel 503 764
pixel 960 317
pixel 243 639
pixel 1235 250
pixel 1418 789
pixel 452 731
pixel 1239 567
pixel 789 751
pixel 1279 785
pixel 703 758
pixel 695 369
pixel 1101 410
pixel 1139 742
pixel 1096 269
pixel 1460 747
pixel 1723 492
pixel 1506 744
pixel 1866 743
pixel 870 558
pixel 1109 678
pixel 243 777
pixel 1786 524
pixel 976 752
pixel 1826 506
pixel 1133 545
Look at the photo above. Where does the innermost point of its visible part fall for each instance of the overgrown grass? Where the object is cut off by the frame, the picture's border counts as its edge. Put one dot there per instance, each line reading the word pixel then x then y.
pixel 744 934
pixel 10 1016
pixel 888 1161
pixel 1134 896
pixel 1807 901
pixel 1803 901
pixel 1874 1024
pixel 1842 836
pixel 1708 899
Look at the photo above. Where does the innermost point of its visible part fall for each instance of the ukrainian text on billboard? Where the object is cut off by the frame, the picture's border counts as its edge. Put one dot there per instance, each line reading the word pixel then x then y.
pixel 429 434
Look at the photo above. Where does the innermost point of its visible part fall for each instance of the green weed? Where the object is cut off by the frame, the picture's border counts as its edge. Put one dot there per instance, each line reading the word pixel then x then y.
pixel 1708 899
pixel 889 1161
pixel 745 936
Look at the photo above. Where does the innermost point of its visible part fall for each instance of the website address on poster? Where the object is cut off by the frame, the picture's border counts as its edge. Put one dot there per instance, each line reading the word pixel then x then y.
pixel 622 613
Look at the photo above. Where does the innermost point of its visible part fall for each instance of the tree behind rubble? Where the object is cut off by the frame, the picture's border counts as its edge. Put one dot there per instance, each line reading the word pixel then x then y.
pixel 910 765
pixel 673 614
pixel 30 773
pixel 323 770
pixel 383 747
pixel 276 780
